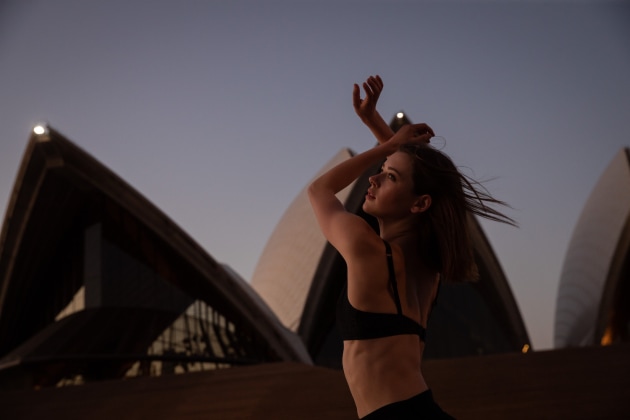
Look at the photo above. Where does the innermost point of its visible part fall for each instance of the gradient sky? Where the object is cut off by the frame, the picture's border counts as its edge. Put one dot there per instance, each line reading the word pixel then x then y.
pixel 221 112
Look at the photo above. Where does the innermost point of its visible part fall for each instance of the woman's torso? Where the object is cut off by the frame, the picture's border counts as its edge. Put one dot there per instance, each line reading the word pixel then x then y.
pixel 383 370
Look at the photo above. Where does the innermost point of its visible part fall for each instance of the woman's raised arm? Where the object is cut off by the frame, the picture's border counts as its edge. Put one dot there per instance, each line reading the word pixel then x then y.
pixel 345 230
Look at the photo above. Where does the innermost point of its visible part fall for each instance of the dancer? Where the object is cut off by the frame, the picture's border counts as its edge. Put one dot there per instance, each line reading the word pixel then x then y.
pixel 421 202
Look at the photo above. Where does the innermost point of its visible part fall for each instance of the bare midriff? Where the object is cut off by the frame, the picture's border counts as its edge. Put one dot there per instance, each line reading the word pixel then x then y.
pixel 384 370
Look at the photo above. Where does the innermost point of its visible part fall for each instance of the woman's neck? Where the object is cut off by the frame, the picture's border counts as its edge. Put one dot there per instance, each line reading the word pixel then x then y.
pixel 399 232
pixel 413 241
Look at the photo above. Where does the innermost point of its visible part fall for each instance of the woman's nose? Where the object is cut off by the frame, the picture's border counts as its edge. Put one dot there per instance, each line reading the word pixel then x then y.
pixel 373 179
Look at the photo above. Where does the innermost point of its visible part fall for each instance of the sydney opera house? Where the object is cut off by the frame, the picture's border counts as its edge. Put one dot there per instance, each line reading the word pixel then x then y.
pixel 107 308
pixel 593 302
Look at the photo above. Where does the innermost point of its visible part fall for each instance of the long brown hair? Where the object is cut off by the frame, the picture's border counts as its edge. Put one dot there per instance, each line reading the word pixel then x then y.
pixel 444 228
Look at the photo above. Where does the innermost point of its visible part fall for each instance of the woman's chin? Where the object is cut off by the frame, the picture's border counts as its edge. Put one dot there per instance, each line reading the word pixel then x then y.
pixel 366 208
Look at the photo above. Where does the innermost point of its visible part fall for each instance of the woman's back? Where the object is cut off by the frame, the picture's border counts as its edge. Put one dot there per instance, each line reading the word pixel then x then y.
pixel 388 368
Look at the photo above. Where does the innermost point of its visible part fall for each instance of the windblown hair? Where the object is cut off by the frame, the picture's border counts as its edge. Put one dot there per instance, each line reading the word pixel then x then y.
pixel 444 227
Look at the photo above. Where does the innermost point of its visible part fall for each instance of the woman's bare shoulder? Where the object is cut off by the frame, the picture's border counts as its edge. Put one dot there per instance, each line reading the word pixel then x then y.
pixel 367 275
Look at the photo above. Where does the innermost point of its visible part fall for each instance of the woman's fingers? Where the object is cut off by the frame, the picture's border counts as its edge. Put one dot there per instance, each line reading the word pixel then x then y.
pixel 372 87
pixel 356 96
pixel 367 89
pixel 413 133
pixel 421 129
pixel 375 83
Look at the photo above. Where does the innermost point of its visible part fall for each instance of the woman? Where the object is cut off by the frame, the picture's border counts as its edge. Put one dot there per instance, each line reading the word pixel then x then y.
pixel 421 203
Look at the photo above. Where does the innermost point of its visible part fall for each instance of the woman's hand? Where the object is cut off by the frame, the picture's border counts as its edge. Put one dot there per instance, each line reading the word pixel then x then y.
pixel 412 133
pixel 366 107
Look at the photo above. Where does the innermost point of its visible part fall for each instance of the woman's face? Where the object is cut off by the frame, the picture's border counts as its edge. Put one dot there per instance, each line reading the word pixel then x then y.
pixel 390 194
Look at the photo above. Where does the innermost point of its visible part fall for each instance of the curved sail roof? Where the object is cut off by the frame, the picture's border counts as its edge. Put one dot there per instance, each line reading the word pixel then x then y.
pixel 290 258
pixel 77 238
pixel 590 308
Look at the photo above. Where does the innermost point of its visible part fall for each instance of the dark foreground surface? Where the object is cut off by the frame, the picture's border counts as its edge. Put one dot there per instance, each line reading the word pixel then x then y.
pixel 588 383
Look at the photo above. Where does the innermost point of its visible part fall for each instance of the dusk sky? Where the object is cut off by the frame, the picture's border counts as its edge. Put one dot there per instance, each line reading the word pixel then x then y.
pixel 220 112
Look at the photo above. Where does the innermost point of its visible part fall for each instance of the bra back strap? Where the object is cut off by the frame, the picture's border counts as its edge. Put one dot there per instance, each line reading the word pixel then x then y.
pixel 392 276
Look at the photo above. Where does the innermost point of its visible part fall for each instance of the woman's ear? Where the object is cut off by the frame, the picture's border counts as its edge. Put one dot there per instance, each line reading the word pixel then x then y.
pixel 421 204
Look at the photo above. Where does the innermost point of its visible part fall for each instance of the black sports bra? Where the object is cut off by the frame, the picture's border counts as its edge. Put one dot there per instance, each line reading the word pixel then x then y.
pixel 354 324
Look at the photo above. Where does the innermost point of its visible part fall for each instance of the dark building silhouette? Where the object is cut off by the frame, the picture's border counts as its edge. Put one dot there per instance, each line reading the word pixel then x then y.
pixel 97 283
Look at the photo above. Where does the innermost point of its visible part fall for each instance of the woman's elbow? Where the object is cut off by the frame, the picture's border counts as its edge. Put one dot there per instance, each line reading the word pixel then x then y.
pixel 318 194
pixel 313 189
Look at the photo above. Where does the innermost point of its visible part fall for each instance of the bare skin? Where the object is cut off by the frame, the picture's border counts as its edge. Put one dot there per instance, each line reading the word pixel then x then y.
pixel 383 370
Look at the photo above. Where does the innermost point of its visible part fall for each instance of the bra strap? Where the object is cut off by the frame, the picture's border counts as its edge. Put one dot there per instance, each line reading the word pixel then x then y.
pixel 392 276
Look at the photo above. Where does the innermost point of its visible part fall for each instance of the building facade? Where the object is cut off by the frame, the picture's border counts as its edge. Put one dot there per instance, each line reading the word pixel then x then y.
pixel 594 290
pixel 97 283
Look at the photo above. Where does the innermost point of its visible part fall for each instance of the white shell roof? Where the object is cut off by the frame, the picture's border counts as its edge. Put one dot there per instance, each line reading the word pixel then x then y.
pixel 591 251
pixel 291 256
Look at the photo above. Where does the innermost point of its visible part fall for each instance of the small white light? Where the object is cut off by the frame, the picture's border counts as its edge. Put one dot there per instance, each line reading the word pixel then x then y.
pixel 40 129
pixel 400 115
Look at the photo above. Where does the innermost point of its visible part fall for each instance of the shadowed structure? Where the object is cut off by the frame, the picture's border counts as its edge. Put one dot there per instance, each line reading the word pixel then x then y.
pixel 97 283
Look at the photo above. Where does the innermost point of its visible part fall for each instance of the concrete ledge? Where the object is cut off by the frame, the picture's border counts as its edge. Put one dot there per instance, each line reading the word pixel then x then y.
pixel 581 383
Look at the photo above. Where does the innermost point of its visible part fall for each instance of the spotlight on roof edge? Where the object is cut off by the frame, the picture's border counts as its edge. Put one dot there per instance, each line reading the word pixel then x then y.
pixel 40 129
pixel 400 115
